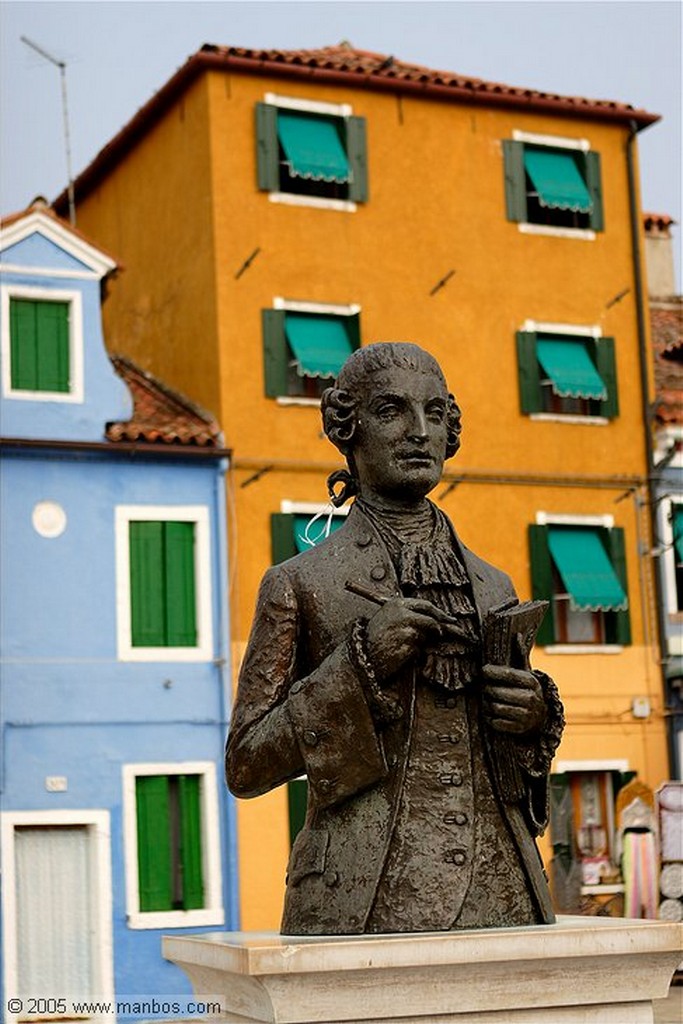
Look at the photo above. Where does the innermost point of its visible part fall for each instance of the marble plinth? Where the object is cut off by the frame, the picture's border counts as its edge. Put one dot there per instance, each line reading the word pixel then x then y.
pixel 577 971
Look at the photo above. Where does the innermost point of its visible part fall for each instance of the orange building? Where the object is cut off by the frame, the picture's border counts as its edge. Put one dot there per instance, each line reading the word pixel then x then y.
pixel 275 209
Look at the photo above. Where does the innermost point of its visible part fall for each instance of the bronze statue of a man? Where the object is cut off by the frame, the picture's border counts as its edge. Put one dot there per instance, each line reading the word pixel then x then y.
pixel 367 670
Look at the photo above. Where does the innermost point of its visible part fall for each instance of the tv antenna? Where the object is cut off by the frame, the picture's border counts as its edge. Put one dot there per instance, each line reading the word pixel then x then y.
pixel 62 74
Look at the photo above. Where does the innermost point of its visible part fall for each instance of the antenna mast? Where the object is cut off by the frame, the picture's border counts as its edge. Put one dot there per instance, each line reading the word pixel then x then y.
pixel 67 143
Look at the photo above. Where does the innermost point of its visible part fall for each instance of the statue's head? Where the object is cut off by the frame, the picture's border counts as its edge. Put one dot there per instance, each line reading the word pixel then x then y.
pixel 391 415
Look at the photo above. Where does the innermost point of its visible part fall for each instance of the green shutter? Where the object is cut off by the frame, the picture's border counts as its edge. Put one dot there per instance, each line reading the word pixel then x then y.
pixel 191 841
pixel 39 345
pixel 23 345
pixel 515 180
pixel 53 345
pixel 154 851
pixel 179 572
pixel 148 618
pixel 528 372
pixel 353 329
pixel 283 545
pixel 618 624
pixel 297 797
pixel 542 579
pixel 267 155
pixel 275 352
pixel 604 351
pixel 357 153
pixel 594 186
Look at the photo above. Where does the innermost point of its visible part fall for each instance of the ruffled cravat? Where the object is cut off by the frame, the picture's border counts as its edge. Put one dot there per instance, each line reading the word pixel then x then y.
pixel 421 546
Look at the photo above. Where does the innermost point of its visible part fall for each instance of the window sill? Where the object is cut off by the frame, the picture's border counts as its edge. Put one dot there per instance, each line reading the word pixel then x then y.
pixel 320 203
pixel 583 234
pixel 583 649
pixel 172 654
pixel 45 396
pixel 602 890
pixel 176 918
pixel 556 417
pixel 296 400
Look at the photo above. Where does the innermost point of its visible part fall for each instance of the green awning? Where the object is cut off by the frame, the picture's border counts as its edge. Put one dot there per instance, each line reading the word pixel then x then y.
pixel 316 530
pixel 557 179
pixel 571 370
pixel 313 148
pixel 585 569
pixel 320 344
pixel 678 532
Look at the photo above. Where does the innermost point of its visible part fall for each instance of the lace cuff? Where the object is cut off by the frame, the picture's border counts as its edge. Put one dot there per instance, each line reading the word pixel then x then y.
pixel 383 707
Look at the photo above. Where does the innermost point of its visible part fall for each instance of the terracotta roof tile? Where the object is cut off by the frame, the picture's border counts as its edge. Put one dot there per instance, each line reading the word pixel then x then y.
pixel 661 221
pixel 161 415
pixel 366 64
pixel 344 65
pixel 666 320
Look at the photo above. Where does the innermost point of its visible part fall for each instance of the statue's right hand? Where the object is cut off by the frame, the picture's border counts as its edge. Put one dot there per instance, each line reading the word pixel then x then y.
pixel 399 631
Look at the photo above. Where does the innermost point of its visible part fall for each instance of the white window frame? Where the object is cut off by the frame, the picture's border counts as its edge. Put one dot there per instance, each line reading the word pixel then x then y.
pixel 197 514
pixel 306 106
pixel 666 508
pixel 35 293
pixel 212 913
pixel 99 829
pixel 297 306
pixel 554 142
pixel 560 519
pixel 573 330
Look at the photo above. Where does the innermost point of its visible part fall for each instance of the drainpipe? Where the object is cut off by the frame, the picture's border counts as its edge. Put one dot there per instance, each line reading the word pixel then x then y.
pixel 643 358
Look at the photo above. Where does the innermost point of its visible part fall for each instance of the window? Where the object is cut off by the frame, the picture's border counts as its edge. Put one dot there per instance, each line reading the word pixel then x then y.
pixel 552 185
pixel 42 344
pixel 304 347
pixel 581 570
pixel 567 374
pixel 309 149
pixel 671 525
pixel 164 583
pixel 172 845
pixel 293 531
pixel 677 530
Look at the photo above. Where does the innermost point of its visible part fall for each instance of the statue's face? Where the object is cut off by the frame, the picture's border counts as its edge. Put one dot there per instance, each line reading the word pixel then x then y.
pixel 400 441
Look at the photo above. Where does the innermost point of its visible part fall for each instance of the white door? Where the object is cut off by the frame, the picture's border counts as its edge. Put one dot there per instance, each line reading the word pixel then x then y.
pixel 57 913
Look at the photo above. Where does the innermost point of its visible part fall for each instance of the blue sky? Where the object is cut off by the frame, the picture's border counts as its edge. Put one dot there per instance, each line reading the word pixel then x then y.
pixel 119 52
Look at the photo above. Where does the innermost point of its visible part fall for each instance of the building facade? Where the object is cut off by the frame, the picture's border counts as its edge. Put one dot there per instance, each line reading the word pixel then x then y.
pixel 115 825
pixel 666 319
pixel 276 209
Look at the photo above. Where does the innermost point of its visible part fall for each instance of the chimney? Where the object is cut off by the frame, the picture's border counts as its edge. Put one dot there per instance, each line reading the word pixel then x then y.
pixel 659 255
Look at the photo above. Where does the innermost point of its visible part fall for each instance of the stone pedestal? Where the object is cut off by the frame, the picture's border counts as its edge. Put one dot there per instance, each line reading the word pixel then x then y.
pixel 580 970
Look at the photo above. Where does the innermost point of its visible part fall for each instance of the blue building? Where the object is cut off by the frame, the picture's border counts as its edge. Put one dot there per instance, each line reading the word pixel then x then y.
pixel 115 826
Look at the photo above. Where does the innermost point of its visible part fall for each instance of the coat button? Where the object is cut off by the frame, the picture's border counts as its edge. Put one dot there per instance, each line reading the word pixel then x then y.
pixel 377 573
pixel 310 738
pixel 392 760
pixel 323 785
pixel 460 818
pixel 331 878
pixel 450 779
pixel 363 540
pixel 297 687
pixel 455 857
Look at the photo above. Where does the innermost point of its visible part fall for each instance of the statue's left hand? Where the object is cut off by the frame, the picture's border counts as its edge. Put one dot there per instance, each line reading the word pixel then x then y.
pixel 513 699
